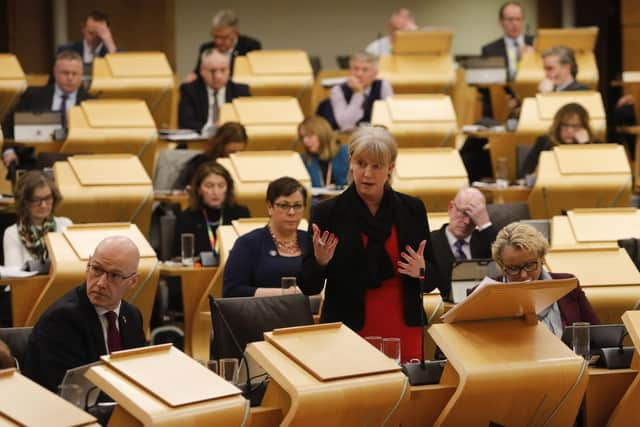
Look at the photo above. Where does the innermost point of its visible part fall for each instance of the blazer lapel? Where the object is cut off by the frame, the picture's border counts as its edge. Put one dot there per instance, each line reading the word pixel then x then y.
pixel 95 327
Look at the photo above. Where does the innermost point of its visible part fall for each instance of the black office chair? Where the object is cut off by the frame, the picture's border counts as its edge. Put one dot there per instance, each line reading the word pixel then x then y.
pixel 631 246
pixel 17 340
pixel 239 321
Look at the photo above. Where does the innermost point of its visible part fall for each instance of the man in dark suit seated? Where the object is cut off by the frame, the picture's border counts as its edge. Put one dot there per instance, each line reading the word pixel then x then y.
pixel 97 39
pixel 90 320
pixel 560 71
pixel 227 40
pixel 351 102
pixel 201 99
pixel 468 235
pixel 61 94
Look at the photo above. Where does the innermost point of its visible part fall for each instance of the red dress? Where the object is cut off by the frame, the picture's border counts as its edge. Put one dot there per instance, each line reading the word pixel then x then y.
pixel 384 307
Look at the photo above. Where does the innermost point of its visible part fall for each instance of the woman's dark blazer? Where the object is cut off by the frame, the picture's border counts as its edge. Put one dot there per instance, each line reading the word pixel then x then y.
pixel 347 272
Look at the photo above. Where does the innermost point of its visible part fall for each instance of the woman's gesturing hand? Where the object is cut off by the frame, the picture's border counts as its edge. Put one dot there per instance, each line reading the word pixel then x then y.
pixel 324 245
pixel 413 260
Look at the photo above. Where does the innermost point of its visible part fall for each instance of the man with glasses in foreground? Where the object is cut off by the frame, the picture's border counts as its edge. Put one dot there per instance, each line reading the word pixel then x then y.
pixel 519 250
pixel 468 235
pixel 90 320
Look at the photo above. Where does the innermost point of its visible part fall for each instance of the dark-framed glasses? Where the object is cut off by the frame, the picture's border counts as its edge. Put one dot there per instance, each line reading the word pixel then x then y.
pixel 513 270
pixel 286 207
pixel 111 276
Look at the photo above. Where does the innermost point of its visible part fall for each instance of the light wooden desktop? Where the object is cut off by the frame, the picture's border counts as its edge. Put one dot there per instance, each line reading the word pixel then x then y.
pixel 253 170
pixel 595 227
pixel 161 386
pixel 117 183
pixel 112 126
pixel 607 276
pixel 434 175
pixel 26 403
pixel 12 82
pixel 497 326
pixel 418 120
pixel 580 176
pixel 271 122
pixel 138 75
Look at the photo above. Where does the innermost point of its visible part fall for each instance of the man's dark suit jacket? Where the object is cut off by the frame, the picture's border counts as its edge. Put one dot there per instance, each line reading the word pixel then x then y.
pixel 193 109
pixel 575 86
pixel 37 99
pixel 69 334
pixel 480 248
pixel 498 47
pixel 244 45
pixel 347 272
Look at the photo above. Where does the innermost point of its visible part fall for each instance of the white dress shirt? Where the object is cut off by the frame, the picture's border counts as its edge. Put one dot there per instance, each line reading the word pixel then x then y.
pixel 381 46
pixel 89 54
pixel 210 126
pixel 466 249
pixel 57 100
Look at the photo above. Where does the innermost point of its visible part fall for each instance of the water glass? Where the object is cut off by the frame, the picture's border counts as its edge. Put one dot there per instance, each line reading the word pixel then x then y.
pixel 581 339
pixel 287 284
pixel 502 172
pixel 391 348
pixel 187 248
pixel 212 365
pixel 375 341
pixel 228 369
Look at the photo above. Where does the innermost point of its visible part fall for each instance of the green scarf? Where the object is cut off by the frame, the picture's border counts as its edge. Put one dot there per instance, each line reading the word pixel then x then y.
pixel 32 237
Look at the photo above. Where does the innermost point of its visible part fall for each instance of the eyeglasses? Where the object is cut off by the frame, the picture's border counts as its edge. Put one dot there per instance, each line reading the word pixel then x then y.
pixel 570 126
pixel 40 200
pixel 513 270
pixel 112 276
pixel 286 207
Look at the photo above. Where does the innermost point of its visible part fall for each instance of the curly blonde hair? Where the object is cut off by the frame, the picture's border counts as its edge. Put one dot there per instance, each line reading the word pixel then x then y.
pixel 519 236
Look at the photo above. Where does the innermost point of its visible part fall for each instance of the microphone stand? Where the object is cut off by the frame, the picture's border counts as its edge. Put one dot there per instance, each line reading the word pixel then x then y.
pixel 420 373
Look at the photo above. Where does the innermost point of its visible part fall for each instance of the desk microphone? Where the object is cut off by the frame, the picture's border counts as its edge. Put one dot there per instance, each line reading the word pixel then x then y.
pixel 422 373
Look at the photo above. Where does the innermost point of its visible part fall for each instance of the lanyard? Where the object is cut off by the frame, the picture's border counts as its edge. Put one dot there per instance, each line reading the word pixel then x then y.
pixel 215 244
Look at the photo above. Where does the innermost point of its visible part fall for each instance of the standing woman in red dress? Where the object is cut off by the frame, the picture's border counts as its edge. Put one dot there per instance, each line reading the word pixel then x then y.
pixel 370 244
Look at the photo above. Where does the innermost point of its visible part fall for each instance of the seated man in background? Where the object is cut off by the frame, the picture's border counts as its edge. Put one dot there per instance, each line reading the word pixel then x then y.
pixel 59 95
pixel 97 39
pixel 226 40
pixel 560 71
pixel 351 103
pixel 200 100
pixel 400 20
pixel 90 320
pixel 468 235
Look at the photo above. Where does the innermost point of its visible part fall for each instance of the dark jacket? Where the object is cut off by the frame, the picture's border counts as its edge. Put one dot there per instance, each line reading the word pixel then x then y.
pixel 480 248
pixel 69 334
pixel 78 46
pixel 530 164
pixel 186 174
pixel 498 47
pixel 347 273
pixel 37 99
pixel 254 263
pixel 189 221
pixel 244 45
pixel 575 86
pixel 193 109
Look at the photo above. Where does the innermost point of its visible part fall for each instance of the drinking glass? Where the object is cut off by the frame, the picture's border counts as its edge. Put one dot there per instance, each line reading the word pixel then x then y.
pixel 502 172
pixel 375 341
pixel 581 339
pixel 287 283
pixel 228 369
pixel 391 348
pixel 186 248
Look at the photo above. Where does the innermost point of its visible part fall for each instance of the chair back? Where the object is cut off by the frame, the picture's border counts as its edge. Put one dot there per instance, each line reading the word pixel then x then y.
pixel 17 340
pixel 239 321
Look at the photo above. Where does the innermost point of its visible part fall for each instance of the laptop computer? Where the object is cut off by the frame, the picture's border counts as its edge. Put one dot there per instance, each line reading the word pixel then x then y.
pixel 32 126
pixel 75 379
pixel 466 274
pixel 482 70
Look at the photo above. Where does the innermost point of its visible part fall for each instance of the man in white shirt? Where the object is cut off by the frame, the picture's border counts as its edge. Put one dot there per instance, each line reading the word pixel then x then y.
pixel 400 20
pixel 468 235
pixel 560 70
pixel 351 102
pixel 201 99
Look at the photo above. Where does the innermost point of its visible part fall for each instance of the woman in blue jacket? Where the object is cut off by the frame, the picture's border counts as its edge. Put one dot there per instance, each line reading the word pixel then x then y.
pixel 326 160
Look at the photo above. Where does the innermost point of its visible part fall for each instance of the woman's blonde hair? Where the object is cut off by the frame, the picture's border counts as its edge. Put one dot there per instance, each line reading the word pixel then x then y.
pixel 374 141
pixel 519 236
pixel 320 127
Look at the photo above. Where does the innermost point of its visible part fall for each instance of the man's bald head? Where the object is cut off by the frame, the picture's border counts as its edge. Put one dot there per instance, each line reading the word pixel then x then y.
pixel 467 210
pixel 467 194
pixel 112 271
pixel 214 68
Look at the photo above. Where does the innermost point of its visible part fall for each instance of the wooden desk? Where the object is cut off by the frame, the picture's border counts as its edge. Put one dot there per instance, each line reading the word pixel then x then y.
pixel 194 282
pixel 181 199
pixel 513 193
pixel 12 82
pixel 606 388
pixel 24 295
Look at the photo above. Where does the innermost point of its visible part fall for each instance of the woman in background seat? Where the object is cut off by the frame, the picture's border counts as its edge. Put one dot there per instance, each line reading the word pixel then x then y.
pixel 36 200
pixel 570 126
pixel 325 159
pixel 230 138
pixel 211 203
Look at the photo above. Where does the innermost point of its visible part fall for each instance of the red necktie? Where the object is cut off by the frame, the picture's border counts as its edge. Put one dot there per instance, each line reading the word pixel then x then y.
pixel 113 335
